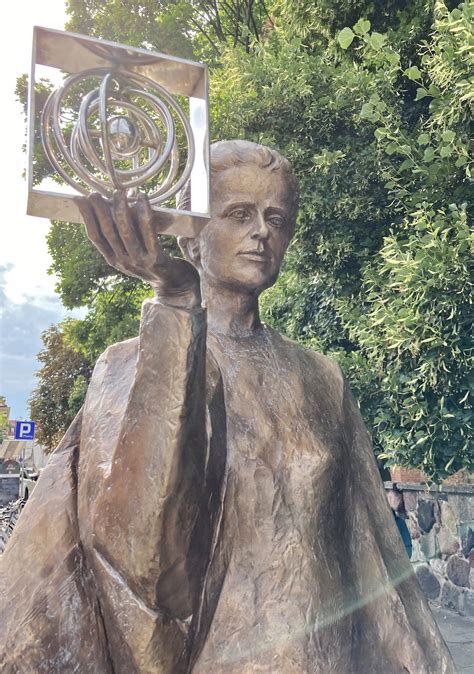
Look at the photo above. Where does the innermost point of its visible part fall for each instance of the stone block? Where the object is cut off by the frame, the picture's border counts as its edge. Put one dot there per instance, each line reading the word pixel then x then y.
pixel 447 541
pixel 425 515
pixel 457 570
pixel 428 582
pixel 461 507
pixel 450 596
pixel 411 500
pixel 413 527
pixel 448 518
pixel 468 607
pixel 417 554
pixel 467 542
pixel 429 545
pixel 438 566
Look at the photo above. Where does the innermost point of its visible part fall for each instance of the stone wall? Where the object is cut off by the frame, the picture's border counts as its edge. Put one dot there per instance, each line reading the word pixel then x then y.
pixel 441 525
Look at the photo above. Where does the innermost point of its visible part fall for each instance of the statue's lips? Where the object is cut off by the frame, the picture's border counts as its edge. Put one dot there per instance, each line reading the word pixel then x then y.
pixel 255 255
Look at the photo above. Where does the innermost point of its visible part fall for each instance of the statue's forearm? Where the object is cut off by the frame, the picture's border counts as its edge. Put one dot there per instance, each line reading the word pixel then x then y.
pixel 154 490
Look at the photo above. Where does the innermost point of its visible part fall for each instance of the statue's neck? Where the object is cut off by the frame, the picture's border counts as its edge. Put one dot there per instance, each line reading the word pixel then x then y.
pixel 230 312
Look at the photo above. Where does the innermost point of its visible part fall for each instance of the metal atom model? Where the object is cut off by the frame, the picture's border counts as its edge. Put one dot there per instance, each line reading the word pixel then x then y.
pixel 120 119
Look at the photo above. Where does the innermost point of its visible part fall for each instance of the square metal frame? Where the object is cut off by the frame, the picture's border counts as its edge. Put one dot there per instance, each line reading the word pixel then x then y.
pixel 72 53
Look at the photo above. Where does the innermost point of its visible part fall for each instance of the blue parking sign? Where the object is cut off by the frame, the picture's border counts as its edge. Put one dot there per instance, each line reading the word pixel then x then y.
pixel 25 430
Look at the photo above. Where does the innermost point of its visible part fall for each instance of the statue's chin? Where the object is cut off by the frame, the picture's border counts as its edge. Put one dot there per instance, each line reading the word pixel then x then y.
pixel 246 279
pixel 245 283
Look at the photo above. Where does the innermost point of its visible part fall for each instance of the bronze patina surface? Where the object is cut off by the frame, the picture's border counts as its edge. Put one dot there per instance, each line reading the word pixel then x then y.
pixel 216 506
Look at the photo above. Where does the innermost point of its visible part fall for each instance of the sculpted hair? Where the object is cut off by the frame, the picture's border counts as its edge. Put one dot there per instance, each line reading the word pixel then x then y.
pixel 228 154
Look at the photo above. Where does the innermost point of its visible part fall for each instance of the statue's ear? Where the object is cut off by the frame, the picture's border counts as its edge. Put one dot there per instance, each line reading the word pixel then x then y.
pixel 191 250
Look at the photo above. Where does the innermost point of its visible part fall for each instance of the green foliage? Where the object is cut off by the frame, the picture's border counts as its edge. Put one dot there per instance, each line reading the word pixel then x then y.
pixel 345 37
pixel 113 315
pixel 81 271
pixel 371 103
pixel 383 171
pixel 42 169
pixel 149 23
pixel 77 395
pixel 414 326
pixel 61 386
pixel 180 27
pixel 3 419
pixel 416 334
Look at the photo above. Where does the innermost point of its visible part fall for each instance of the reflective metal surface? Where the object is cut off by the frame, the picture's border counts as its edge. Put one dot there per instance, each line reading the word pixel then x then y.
pixel 116 123
pixel 101 142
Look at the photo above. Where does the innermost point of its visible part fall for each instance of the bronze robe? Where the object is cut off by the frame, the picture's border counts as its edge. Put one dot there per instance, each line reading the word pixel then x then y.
pixel 215 508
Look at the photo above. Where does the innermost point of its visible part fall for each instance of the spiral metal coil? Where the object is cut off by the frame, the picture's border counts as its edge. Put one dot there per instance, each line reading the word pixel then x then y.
pixel 124 135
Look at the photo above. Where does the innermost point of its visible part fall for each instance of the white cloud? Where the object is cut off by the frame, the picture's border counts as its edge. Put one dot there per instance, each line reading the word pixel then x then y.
pixel 21 328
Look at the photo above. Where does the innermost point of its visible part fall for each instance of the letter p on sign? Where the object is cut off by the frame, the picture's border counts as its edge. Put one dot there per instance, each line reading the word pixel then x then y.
pixel 25 430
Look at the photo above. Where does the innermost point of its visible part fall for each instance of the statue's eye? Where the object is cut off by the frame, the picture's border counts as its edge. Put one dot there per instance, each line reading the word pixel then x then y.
pixel 276 220
pixel 239 214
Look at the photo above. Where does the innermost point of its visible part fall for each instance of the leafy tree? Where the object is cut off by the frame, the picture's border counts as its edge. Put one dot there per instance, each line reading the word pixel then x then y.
pixel 415 329
pixel 113 315
pixel 184 28
pixel 61 384
pixel 3 418
pixel 377 127
pixel 370 102
pixel 150 24
pixel 42 169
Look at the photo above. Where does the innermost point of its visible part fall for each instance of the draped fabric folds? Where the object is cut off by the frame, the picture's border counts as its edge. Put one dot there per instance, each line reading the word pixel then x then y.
pixel 214 508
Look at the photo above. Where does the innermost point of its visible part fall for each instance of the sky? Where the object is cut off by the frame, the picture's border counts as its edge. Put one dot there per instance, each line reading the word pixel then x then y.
pixel 28 304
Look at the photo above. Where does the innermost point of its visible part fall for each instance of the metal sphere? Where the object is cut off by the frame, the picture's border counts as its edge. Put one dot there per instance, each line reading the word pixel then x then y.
pixel 123 136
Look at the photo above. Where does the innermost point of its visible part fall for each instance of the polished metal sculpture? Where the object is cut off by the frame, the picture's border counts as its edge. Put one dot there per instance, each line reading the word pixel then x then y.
pixel 132 135
pixel 123 119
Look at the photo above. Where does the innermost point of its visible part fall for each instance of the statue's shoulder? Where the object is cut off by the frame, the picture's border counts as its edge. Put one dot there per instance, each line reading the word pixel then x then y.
pixel 110 384
pixel 119 352
pixel 116 365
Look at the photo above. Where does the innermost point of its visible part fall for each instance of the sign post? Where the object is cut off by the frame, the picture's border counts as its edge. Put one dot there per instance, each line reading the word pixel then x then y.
pixel 25 430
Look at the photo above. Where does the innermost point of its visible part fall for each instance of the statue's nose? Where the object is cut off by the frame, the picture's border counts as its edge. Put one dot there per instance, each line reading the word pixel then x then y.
pixel 260 228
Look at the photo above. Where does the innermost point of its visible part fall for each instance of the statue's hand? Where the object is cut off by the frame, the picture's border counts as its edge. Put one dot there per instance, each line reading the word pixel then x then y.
pixel 127 236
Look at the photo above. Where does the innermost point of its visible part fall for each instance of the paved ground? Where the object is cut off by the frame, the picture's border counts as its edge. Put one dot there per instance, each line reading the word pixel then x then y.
pixel 458 632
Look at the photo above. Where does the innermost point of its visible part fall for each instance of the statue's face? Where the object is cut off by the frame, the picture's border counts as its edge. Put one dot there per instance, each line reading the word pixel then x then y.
pixel 243 245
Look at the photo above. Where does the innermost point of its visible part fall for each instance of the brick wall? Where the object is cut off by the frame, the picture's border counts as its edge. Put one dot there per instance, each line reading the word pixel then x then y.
pixel 415 476
pixel 400 474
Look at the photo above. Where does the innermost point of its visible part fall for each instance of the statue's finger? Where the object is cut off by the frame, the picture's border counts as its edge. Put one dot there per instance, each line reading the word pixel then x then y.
pixel 93 229
pixel 127 229
pixel 146 222
pixel 108 228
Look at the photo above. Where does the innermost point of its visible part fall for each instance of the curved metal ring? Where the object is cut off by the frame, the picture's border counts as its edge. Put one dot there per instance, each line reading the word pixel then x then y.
pixel 81 155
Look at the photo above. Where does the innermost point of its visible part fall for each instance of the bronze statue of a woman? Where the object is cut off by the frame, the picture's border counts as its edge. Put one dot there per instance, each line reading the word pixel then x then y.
pixel 216 505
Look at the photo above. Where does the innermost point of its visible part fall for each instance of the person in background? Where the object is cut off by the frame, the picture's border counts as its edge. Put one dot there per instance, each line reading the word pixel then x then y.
pixel 397 504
